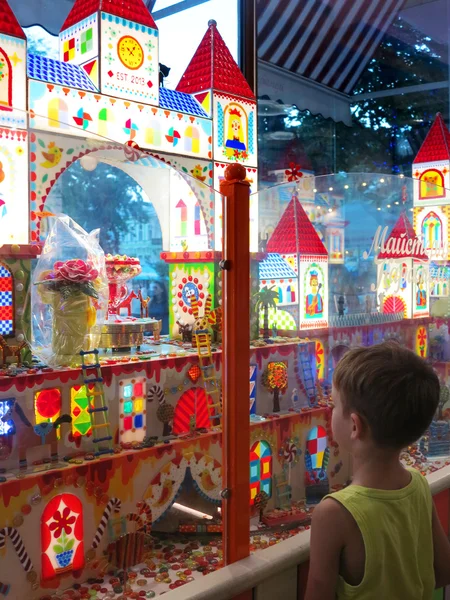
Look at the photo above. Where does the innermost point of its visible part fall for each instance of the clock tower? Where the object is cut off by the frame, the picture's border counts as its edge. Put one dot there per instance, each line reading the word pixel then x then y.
pixel 116 43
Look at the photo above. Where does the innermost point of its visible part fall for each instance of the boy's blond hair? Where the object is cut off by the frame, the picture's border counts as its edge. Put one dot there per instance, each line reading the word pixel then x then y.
pixel 395 392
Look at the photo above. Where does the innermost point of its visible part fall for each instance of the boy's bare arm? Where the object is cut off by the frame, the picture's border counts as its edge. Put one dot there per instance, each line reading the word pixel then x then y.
pixel 441 547
pixel 327 541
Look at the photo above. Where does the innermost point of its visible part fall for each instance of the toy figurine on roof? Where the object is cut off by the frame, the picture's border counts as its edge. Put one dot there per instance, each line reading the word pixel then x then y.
pixel 297 265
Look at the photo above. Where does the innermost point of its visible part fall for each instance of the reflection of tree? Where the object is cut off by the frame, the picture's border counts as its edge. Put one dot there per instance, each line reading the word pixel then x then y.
pixel 107 198
pixel 386 132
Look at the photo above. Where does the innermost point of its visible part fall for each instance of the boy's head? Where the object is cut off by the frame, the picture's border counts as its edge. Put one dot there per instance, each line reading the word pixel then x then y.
pixel 384 392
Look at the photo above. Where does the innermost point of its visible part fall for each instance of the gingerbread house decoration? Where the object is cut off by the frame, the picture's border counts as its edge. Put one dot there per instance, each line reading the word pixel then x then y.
pixel 299 245
pixel 214 79
pixel 403 272
pixel 431 170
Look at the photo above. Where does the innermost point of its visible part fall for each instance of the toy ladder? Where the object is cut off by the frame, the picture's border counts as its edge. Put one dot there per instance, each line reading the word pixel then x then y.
pixel 98 409
pixel 210 382
pixel 283 490
pixel 308 378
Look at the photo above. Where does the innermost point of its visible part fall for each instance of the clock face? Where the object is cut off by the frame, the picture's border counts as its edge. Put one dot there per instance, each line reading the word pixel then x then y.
pixel 130 52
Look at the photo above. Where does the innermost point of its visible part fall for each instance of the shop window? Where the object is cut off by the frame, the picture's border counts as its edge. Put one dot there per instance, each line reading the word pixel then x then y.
pixel 260 470
pixel 132 413
pixel 6 302
pixel 47 406
pixel 432 231
pixel 280 295
pixel 79 405
pixel 316 445
pixel 6 427
pixel 290 291
pixel 62 536
pixel 6 76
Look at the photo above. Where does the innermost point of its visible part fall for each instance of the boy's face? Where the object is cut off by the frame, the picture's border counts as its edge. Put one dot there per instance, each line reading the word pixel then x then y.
pixel 341 424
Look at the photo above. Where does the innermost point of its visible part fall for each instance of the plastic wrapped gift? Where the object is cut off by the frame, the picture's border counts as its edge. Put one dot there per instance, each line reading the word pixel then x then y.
pixel 69 294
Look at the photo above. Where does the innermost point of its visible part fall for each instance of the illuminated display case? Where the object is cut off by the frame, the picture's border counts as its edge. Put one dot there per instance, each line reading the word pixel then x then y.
pixel 119 438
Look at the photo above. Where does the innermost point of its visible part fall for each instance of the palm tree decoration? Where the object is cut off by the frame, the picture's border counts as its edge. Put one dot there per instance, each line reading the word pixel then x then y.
pixel 265 299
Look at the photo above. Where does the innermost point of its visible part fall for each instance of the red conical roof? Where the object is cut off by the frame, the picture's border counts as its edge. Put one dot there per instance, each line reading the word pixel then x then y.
pixel 403 230
pixel 132 10
pixel 295 234
pixel 9 25
pixel 213 67
pixel 436 145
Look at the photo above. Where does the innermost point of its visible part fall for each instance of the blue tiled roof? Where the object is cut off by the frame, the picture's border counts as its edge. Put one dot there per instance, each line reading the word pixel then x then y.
pixel 180 101
pixel 274 267
pixel 60 73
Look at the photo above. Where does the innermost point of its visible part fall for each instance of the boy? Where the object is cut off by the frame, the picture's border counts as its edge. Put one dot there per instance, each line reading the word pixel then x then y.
pixel 380 538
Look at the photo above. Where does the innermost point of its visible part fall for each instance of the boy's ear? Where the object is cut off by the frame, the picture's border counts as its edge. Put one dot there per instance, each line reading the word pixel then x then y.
pixel 358 427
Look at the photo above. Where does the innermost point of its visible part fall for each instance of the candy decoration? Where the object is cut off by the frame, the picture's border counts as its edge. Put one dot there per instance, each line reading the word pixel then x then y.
pixel 290 452
pixel 144 509
pixel 132 151
pixel 19 547
pixel 127 551
pixel 155 393
pixel 134 518
pixel 114 504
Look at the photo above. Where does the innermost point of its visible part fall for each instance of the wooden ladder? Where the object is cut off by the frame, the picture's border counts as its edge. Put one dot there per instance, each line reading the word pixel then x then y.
pixel 98 409
pixel 210 382
pixel 308 377
pixel 283 490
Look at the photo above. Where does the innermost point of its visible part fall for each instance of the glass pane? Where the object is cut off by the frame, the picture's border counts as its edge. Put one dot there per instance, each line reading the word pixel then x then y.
pixel 148 397
pixel 344 260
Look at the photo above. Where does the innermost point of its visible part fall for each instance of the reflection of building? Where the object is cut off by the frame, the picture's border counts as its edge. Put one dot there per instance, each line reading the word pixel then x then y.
pixel 431 169
pixel 403 272
pixel 297 243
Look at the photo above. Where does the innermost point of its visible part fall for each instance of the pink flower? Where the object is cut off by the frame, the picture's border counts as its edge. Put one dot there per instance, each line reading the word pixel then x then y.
pixel 75 271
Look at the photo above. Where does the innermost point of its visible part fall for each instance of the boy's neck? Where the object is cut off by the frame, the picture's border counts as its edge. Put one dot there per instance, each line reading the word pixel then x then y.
pixel 379 469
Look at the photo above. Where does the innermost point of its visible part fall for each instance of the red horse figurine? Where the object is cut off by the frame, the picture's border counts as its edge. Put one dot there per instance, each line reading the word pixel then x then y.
pixel 127 303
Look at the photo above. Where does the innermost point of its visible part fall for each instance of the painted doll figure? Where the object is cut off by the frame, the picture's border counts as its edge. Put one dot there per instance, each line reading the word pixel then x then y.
pixel 235 138
pixel 314 302
pixel 421 295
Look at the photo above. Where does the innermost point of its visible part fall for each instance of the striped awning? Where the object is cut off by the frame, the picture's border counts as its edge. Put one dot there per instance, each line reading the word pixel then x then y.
pixel 324 42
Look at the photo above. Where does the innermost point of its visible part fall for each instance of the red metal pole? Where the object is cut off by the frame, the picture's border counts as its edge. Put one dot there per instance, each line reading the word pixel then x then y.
pixel 236 361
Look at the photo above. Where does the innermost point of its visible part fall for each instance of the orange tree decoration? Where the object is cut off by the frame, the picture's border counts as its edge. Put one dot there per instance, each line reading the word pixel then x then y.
pixel 275 379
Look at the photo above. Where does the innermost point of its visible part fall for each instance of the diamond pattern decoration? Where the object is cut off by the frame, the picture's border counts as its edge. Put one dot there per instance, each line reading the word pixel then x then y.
pixel 133 10
pixel 60 73
pixel 6 302
pixel 79 405
pixel 194 373
pixel 181 102
pixel 436 145
pixel 8 22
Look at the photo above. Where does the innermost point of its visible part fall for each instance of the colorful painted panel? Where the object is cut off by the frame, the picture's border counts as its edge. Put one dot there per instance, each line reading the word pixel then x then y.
pixel 79 405
pixel 313 300
pixel 316 445
pixel 118 120
pixel 421 306
pixel 422 342
pixel 320 359
pixel 192 411
pixel 260 469
pixel 13 87
pixel 14 217
pixel 62 536
pixel 80 43
pixel 252 178
pixel 6 301
pixel 196 279
pixel 235 130
pixel 129 62
pixel 132 423
pixel 47 408
pixel 6 426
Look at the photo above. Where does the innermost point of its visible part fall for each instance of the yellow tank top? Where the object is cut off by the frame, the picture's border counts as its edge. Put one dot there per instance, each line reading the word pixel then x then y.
pixel 396 529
